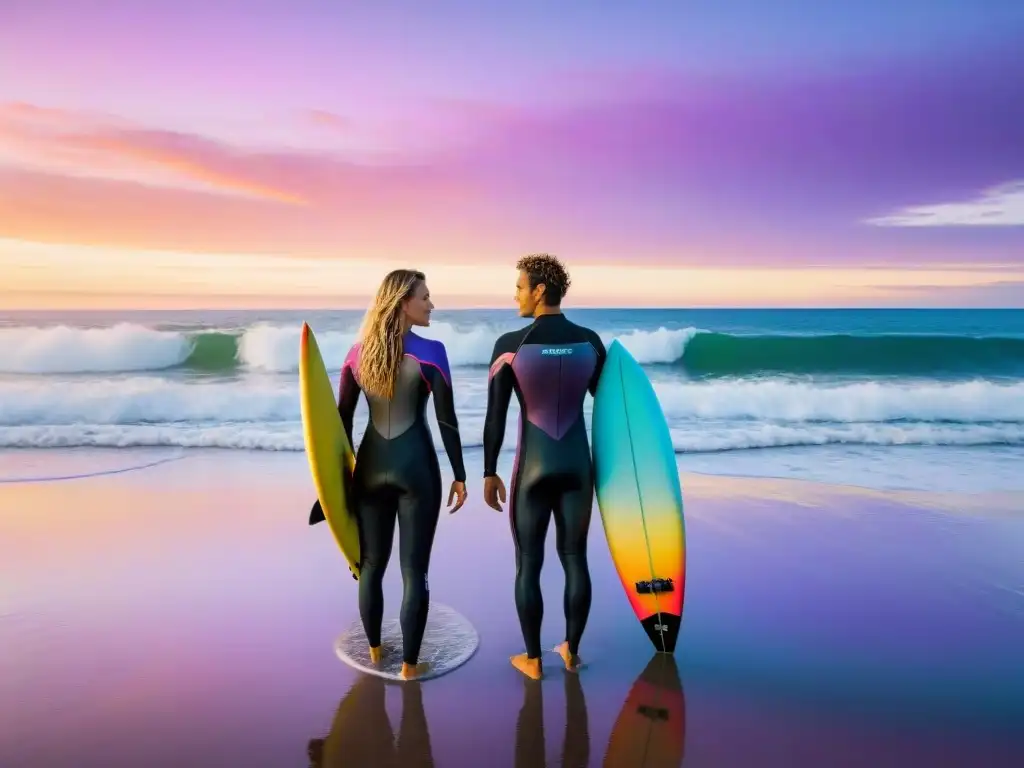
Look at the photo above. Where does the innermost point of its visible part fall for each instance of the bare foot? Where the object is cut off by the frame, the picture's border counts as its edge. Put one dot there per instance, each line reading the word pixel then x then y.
pixel 529 667
pixel 376 654
pixel 572 661
pixel 412 671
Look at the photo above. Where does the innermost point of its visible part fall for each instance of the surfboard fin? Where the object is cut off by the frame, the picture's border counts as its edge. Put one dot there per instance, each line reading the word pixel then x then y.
pixel 663 630
pixel 316 514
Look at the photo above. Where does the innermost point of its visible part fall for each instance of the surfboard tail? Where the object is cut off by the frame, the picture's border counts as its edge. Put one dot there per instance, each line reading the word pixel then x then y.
pixel 663 630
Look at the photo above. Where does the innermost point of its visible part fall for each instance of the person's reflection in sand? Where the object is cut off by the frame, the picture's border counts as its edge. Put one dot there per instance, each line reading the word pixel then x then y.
pixel 530 742
pixel 361 735
pixel 413 734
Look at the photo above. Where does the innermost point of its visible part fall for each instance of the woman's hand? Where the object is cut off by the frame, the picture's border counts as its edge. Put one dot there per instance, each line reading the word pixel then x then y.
pixel 459 490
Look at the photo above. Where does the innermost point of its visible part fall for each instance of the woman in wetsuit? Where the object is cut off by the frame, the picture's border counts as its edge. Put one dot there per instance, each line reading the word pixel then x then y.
pixel 397 476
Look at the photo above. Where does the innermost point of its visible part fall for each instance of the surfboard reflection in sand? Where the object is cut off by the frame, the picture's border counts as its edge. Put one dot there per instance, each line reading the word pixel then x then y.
pixel 361 733
pixel 649 732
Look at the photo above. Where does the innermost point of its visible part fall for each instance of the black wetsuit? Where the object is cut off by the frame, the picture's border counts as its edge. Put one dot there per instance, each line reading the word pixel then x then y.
pixel 397 476
pixel 550 364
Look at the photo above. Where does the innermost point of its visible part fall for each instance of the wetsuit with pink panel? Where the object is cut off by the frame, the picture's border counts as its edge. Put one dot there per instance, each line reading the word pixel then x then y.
pixel 398 479
pixel 550 365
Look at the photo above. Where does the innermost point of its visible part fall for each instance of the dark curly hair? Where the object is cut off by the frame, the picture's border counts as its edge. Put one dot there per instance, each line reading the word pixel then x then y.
pixel 543 268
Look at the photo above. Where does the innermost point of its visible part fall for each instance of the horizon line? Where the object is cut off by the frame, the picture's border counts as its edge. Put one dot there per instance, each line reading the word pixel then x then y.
pixel 618 308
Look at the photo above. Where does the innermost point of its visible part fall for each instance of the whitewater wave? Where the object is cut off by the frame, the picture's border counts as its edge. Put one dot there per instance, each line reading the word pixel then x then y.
pixel 263 347
pixel 154 400
pixel 63 349
pixel 287 436
pixel 149 400
pixel 703 416
pixel 127 348
pixel 871 401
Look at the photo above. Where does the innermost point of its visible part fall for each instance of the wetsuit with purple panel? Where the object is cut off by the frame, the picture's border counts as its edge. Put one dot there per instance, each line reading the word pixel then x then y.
pixel 398 478
pixel 550 365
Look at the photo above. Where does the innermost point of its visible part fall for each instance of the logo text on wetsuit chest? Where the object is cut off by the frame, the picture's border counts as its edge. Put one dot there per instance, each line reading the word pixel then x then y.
pixel 556 351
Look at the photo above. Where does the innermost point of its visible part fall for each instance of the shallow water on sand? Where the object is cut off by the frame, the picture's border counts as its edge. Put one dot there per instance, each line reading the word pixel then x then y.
pixel 184 614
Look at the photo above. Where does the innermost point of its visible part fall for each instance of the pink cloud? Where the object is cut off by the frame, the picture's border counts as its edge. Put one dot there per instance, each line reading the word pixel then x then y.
pixel 101 145
pixel 326 119
pixel 649 167
pixel 106 146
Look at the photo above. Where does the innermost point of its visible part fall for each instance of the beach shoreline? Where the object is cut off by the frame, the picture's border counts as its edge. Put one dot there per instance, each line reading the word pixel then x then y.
pixel 34 465
pixel 189 603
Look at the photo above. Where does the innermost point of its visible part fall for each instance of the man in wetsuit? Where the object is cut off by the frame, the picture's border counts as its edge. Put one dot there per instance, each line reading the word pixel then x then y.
pixel 550 364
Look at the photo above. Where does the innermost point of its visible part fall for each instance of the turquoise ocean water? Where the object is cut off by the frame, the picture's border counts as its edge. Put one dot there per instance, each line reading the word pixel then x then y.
pixel 910 399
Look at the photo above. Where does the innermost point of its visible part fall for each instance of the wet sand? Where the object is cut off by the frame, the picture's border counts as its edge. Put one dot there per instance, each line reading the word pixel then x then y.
pixel 184 614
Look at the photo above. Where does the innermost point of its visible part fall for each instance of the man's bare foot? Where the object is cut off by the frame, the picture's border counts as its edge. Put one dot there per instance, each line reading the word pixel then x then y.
pixel 529 667
pixel 412 671
pixel 572 661
pixel 376 654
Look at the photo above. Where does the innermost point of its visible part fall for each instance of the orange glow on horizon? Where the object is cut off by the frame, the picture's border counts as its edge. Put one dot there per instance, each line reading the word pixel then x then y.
pixel 46 276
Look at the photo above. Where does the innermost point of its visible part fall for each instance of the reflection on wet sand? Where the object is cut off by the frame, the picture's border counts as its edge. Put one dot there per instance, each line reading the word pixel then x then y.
pixel 649 732
pixel 361 733
pixel 531 745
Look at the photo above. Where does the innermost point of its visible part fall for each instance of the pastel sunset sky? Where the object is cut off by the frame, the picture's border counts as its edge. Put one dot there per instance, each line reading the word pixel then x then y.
pixel 728 153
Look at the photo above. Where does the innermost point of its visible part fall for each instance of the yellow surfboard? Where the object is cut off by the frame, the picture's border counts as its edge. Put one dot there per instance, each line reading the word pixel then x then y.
pixel 331 459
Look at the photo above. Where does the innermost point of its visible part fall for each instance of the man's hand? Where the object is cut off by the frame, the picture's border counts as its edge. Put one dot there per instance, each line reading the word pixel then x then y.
pixel 458 490
pixel 494 489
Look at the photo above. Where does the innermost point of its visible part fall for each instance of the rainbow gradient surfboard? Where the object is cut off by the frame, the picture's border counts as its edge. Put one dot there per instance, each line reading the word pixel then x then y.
pixel 640 497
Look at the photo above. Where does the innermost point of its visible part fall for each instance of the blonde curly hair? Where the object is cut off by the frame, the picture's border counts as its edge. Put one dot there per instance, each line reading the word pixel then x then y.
pixel 381 333
pixel 543 268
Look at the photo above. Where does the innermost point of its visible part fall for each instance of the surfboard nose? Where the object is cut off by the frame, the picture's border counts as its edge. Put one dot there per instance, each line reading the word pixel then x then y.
pixel 616 346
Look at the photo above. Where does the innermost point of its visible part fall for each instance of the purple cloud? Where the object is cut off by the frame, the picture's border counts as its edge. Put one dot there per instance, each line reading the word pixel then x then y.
pixel 1000 206
pixel 820 152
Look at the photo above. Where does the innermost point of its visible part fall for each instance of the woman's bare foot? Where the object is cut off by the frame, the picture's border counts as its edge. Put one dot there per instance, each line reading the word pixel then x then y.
pixel 412 671
pixel 376 654
pixel 572 661
pixel 529 667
